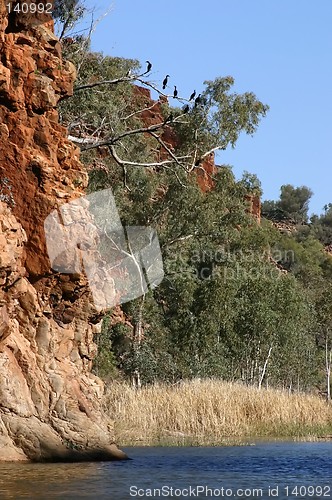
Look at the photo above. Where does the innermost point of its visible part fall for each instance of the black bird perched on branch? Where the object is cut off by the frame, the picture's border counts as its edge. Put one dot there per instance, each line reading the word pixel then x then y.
pixel 170 118
pixel 198 100
pixel 192 95
pixel 165 81
pixel 175 93
pixel 185 108
pixel 149 66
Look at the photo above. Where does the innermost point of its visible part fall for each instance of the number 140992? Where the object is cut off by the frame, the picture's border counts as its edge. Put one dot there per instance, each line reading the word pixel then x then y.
pixel 308 491
pixel 30 7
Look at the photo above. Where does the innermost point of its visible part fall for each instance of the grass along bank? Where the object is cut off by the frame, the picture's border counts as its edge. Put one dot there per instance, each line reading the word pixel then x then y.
pixel 211 412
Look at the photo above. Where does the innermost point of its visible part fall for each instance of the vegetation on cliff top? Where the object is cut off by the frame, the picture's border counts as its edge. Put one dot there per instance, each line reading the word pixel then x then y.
pixel 240 301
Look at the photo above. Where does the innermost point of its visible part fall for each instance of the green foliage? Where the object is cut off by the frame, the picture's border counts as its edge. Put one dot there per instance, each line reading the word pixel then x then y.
pixel 105 363
pixel 293 204
pixel 220 118
pixel 225 308
pixel 322 225
pixel 251 184
pixel 103 111
pixel 67 13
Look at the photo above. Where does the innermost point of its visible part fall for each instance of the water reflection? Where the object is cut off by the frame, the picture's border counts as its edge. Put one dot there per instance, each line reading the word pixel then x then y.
pixel 45 481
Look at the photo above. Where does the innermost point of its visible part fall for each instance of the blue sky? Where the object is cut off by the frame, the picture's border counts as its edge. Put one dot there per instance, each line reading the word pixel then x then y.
pixel 279 49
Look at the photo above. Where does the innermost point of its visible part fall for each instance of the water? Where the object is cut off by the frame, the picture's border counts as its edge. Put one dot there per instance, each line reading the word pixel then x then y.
pixel 265 470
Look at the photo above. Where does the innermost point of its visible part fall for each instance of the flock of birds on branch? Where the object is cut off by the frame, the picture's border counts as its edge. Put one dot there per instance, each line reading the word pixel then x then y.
pixel 199 99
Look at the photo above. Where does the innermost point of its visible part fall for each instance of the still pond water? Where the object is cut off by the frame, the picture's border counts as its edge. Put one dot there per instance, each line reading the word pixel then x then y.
pixel 265 470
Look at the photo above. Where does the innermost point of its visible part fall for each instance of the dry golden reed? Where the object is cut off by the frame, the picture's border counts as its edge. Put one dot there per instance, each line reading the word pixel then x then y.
pixel 212 412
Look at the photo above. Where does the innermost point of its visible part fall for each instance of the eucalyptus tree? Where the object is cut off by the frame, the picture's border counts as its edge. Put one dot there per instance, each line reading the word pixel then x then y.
pixel 293 204
pixel 108 107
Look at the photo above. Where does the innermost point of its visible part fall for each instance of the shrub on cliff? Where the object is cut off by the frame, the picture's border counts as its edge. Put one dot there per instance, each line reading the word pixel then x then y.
pixel 293 204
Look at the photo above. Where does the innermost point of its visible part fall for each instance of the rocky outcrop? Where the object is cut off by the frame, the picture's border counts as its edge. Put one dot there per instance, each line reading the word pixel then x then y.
pixel 50 403
pixel 254 206
pixel 152 114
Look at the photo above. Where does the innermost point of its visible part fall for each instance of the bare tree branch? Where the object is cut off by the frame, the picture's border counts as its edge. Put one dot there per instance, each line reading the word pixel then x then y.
pixel 130 78
pixel 155 88
pixel 82 140
pixel 121 162
pixel 169 151
pixel 125 185
pixel 115 81
pixel 178 238
pixel 202 157
pixel 128 133
pixel 178 178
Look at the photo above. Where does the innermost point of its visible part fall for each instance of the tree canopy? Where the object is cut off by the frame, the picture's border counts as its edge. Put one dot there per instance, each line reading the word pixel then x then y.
pixel 239 300
pixel 293 204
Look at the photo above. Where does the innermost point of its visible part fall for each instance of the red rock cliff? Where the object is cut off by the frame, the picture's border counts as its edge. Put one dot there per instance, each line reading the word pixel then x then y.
pixel 49 400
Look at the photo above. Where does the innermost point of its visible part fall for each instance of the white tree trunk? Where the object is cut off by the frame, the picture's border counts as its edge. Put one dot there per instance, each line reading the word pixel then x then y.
pixel 328 360
pixel 137 340
pixel 264 369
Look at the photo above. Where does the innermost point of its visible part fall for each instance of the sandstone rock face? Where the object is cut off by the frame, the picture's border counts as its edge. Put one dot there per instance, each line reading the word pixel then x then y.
pixel 152 115
pixel 50 403
pixel 254 206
